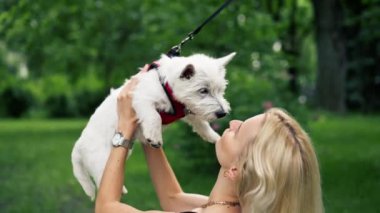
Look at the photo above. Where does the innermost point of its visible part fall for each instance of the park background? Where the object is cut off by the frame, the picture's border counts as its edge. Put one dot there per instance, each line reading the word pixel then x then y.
pixel 318 59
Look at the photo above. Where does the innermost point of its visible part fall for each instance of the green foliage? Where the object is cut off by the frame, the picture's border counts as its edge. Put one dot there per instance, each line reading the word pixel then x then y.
pixel 71 37
pixel 52 96
pixel 191 146
pixel 16 100
pixel 107 41
pixel 88 94
pixel 57 96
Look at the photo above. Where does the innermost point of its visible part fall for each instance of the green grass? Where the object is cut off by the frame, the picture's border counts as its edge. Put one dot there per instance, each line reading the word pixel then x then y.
pixel 35 166
pixel 36 173
pixel 349 154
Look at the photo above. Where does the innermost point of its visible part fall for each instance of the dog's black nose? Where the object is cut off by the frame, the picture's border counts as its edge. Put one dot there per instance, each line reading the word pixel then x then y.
pixel 220 114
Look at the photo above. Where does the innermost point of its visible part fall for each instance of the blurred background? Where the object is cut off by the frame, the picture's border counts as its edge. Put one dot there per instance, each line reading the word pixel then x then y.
pixel 318 59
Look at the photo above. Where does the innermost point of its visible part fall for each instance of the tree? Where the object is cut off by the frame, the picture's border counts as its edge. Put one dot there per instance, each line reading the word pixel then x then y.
pixel 347 35
pixel 361 29
pixel 332 62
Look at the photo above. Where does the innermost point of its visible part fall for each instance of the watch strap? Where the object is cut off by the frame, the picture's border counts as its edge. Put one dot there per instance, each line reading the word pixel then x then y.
pixel 127 144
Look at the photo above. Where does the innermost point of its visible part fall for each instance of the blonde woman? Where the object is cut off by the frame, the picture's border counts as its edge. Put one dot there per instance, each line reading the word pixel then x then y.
pixel 267 164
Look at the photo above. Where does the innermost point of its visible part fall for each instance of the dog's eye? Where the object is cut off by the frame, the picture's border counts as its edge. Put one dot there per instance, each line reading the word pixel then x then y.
pixel 203 91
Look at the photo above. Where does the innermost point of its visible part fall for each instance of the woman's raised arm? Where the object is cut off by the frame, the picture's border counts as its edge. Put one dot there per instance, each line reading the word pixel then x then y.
pixel 109 194
pixel 168 190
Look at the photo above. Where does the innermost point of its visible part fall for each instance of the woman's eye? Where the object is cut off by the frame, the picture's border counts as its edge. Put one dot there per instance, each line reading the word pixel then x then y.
pixel 203 91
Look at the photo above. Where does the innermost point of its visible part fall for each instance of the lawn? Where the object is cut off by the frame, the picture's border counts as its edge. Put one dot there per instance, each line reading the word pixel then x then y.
pixel 349 154
pixel 36 171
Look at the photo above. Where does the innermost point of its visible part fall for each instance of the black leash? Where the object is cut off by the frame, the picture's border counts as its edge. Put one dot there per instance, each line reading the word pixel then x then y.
pixel 176 50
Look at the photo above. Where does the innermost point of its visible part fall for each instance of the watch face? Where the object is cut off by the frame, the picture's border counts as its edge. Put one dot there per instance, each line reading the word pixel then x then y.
pixel 117 139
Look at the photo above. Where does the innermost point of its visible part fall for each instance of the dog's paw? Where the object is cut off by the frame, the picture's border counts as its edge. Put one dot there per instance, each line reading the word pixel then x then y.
pixel 153 143
pixel 215 138
pixel 212 137
pixel 152 135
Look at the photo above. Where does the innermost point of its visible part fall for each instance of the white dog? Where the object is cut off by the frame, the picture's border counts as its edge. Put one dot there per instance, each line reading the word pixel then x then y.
pixel 197 83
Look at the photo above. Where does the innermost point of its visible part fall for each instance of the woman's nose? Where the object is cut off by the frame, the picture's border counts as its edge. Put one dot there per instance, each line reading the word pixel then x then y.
pixel 234 124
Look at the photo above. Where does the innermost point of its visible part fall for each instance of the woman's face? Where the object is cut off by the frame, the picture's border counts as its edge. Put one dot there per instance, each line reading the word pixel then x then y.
pixel 234 139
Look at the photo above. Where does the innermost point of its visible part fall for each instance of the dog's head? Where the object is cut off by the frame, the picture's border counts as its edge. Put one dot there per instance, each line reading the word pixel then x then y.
pixel 198 81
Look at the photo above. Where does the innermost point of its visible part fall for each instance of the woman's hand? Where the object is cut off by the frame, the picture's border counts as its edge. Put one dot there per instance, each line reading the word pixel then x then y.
pixel 127 123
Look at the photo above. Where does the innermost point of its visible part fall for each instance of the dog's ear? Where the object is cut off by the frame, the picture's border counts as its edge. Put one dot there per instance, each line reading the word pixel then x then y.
pixel 224 60
pixel 188 72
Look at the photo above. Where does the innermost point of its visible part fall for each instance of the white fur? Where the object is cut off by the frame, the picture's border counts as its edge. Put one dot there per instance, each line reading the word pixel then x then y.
pixel 91 151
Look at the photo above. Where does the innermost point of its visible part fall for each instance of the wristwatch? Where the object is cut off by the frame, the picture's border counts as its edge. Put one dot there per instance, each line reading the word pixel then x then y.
pixel 119 140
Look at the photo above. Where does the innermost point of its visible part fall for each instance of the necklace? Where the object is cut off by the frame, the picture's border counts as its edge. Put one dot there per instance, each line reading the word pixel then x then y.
pixel 223 203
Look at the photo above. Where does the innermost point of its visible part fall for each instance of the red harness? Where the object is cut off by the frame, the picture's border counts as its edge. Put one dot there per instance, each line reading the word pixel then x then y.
pixel 178 108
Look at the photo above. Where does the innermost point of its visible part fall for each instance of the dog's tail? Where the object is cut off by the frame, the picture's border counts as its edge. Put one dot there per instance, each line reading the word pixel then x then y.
pixel 82 176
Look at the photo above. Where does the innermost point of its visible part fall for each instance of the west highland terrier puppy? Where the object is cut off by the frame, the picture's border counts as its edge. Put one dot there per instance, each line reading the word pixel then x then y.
pixel 196 83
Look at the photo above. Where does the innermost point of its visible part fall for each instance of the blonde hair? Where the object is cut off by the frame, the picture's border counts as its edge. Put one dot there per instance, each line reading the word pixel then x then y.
pixel 279 169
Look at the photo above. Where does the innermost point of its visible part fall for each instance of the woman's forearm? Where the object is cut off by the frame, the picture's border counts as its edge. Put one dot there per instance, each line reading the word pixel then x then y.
pixel 113 177
pixel 110 189
pixel 162 175
pixel 167 187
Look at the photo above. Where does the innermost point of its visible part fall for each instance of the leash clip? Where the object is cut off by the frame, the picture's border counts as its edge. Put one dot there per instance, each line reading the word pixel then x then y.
pixel 176 50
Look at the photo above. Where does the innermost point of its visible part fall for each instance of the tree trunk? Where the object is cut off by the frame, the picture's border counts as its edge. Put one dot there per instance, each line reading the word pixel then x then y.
pixel 293 49
pixel 330 88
